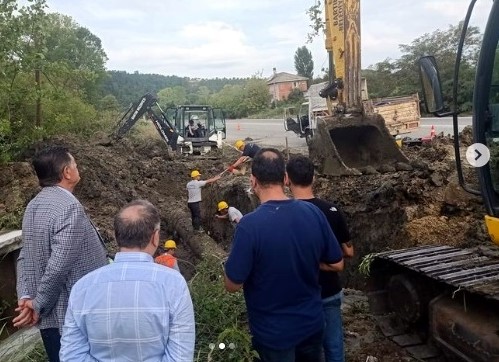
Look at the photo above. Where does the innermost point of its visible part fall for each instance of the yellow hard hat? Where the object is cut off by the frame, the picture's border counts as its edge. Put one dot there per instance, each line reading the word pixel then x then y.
pixel 195 173
pixel 222 205
pixel 170 244
pixel 239 144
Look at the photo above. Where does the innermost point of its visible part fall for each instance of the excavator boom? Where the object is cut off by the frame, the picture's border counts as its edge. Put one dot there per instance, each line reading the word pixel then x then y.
pixel 343 46
pixel 349 141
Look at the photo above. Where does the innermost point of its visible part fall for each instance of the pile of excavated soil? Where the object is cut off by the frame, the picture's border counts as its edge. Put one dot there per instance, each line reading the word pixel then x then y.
pixel 408 208
pixel 384 210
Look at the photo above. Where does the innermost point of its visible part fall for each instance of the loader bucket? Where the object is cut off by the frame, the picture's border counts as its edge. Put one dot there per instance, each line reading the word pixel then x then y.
pixel 347 144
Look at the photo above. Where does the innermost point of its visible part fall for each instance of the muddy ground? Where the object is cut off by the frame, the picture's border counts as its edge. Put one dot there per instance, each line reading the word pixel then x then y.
pixel 389 210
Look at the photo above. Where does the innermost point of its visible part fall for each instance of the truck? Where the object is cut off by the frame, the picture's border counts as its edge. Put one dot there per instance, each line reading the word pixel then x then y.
pixel 173 125
pixel 303 121
pixel 401 114
pixel 441 302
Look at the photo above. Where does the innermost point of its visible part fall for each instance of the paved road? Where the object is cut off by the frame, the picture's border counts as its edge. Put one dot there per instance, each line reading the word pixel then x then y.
pixel 441 125
pixel 270 132
pixel 265 132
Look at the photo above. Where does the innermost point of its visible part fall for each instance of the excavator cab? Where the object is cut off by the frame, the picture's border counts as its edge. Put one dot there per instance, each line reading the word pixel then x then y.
pixel 439 301
pixel 201 126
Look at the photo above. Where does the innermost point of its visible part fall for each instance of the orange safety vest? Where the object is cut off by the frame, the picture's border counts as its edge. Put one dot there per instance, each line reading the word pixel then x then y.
pixel 166 260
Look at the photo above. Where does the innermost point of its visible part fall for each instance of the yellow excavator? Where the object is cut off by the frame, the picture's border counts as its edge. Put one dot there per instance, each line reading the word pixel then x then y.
pixel 436 301
pixel 348 140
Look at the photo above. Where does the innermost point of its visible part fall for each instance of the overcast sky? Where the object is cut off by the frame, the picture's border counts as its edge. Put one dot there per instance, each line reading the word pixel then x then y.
pixel 241 38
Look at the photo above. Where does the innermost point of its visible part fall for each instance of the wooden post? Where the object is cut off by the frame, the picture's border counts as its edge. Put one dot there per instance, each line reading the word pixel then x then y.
pixel 287 149
pixel 38 113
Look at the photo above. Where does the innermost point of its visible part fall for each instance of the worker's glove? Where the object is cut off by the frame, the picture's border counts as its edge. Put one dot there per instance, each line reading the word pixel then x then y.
pixel 230 168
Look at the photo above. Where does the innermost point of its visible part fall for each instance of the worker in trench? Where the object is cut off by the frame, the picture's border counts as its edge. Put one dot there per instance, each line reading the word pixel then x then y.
pixel 248 151
pixel 194 201
pixel 226 212
pixel 168 258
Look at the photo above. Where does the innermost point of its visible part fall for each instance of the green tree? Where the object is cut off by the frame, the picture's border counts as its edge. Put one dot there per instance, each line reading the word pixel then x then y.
pixel 203 95
pixel 170 97
pixel 381 81
pixel 296 96
pixel 108 103
pixel 231 98
pixel 443 45
pixel 75 56
pixel 256 95
pixel 50 65
pixel 304 65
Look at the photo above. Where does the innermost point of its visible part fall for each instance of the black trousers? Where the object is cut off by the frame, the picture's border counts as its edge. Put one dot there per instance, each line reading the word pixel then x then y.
pixel 52 343
pixel 195 208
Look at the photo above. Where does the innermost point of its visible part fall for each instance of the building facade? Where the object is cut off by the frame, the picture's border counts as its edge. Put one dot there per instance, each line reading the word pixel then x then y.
pixel 282 84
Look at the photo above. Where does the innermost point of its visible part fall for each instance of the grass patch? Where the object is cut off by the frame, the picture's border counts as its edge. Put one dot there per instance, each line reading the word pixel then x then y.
pixel 37 354
pixel 220 316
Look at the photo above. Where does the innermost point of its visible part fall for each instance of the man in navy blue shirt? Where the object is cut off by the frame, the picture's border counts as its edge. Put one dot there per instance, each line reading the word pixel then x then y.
pixel 276 256
pixel 300 171
pixel 248 151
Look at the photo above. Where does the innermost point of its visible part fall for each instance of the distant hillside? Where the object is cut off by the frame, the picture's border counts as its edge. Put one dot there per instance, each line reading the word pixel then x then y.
pixel 128 87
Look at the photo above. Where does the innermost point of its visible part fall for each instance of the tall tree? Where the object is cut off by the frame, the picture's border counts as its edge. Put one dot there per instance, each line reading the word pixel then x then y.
pixel 304 65
pixel 48 63
pixel 170 97
pixel 257 96
pixel 443 45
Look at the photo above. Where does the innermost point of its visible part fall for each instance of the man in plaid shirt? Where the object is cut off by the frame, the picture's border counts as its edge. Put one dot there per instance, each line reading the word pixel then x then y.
pixel 132 309
pixel 60 245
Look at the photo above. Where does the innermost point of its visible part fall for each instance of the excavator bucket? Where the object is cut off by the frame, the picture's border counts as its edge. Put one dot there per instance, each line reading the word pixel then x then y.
pixel 347 144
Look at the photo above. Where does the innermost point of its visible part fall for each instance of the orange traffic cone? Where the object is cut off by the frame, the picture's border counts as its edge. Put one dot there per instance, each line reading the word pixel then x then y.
pixel 432 132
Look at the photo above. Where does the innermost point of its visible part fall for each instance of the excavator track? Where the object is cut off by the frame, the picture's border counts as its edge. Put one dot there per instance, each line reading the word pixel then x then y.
pixel 438 302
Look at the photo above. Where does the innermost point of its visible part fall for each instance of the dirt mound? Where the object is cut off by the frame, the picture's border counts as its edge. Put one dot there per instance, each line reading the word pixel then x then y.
pixel 386 209
pixel 402 209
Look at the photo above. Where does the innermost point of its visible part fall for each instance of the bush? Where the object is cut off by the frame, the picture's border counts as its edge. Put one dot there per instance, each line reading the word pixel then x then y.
pixel 220 316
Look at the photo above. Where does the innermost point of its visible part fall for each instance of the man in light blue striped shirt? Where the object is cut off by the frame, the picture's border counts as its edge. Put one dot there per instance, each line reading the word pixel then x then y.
pixel 132 309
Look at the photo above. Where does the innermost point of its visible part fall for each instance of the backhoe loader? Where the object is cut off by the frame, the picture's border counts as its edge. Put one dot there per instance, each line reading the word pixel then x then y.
pixel 187 129
pixel 441 302
pixel 349 139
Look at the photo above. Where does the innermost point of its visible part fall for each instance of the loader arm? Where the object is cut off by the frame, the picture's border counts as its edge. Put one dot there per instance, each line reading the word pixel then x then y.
pixel 144 108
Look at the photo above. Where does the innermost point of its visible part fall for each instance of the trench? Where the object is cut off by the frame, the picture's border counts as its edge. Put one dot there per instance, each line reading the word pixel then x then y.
pixel 375 226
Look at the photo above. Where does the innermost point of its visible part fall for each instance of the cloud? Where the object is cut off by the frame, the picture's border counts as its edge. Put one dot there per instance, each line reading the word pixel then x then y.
pixel 227 38
pixel 195 50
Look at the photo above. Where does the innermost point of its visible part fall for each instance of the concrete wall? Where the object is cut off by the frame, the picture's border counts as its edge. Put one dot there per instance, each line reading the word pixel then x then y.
pixel 14 345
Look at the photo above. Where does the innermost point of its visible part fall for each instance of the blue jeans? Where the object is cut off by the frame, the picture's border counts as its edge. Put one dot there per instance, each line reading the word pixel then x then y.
pixel 52 343
pixel 195 208
pixel 309 350
pixel 333 334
